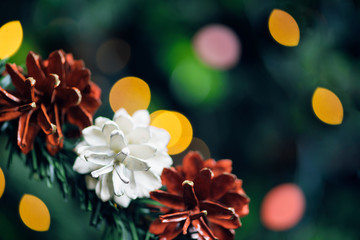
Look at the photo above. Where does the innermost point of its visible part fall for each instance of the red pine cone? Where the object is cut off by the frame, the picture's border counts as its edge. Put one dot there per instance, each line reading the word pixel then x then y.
pixel 53 89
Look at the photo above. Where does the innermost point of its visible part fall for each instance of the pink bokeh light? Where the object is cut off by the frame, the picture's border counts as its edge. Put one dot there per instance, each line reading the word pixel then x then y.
pixel 283 207
pixel 217 46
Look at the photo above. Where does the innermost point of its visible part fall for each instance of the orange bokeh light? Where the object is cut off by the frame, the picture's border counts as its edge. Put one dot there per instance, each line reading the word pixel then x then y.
pixel 327 106
pixel 2 183
pixel 130 93
pixel 283 28
pixel 34 213
pixel 283 207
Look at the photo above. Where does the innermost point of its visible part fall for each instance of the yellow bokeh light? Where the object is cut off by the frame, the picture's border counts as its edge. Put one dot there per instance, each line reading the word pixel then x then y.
pixel 2 183
pixel 130 93
pixel 168 121
pixel 11 36
pixel 156 113
pixel 177 125
pixel 327 106
pixel 34 213
pixel 186 135
pixel 283 28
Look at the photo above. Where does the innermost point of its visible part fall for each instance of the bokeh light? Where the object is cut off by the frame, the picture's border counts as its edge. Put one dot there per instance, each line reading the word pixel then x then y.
pixel 178 126
pixel 196 145
pixel 195 84
pixel 199 145
pixel 130 93
pixel 176 53
pixel 186 135
pixel 283 28
pixel 2 183
pixel 191 82
pixel 168 121
pixel 11 36
pixel 34 213
pixel 327 106
pixel 155 114
pixel 217 46
pixel 113 55
pixel 283 207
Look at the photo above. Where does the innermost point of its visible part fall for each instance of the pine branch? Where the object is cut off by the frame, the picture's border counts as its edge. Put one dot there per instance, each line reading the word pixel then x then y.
pixel 122 223
pixel 2 65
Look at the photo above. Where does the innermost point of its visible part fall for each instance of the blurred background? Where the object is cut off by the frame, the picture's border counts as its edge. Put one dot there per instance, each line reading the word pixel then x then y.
pixel 248 100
